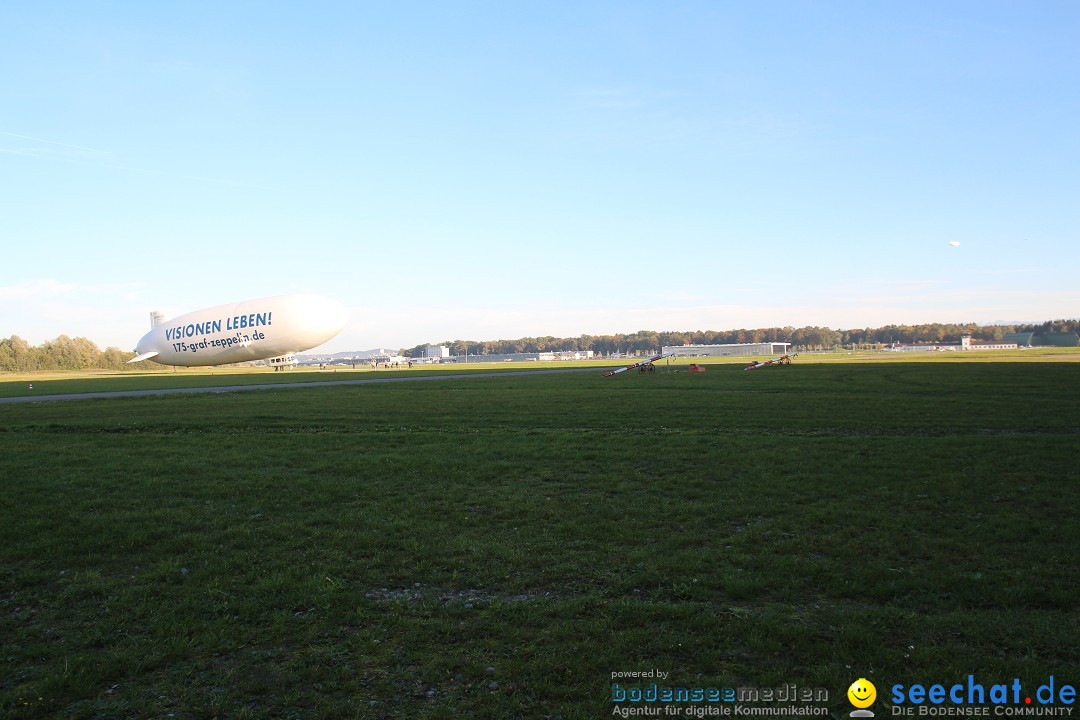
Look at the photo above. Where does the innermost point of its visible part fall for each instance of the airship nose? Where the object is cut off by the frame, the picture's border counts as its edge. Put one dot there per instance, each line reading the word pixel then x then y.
pixel 320 317
pixel 328 315
pixel 337 315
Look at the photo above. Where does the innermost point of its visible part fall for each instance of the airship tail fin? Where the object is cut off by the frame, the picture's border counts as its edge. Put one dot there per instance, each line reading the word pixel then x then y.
pixel 144 356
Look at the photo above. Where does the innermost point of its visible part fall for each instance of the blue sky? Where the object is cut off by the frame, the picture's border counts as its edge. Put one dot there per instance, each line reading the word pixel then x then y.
pixel 489 170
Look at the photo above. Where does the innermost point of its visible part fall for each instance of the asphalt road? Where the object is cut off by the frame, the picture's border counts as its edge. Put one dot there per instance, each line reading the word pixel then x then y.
pixel 277 386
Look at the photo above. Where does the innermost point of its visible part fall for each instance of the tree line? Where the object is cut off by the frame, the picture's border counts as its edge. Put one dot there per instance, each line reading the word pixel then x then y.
pixel 801 339
pixel 63 353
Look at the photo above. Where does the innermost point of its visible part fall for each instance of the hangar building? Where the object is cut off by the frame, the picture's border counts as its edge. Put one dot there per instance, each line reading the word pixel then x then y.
pixel 737 350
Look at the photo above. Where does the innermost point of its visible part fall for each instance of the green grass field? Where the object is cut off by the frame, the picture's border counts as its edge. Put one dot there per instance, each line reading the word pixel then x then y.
pixel 498 547
pixel 45 383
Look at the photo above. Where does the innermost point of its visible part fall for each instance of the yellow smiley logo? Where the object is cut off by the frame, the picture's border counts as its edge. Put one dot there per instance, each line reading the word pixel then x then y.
pixel 862 693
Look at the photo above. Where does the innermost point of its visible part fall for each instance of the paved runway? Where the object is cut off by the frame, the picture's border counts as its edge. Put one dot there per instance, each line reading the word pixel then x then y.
pixel 274 386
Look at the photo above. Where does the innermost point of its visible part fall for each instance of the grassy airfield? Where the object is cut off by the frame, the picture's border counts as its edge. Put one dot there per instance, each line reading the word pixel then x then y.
pixel 500 546
pixel 19 384
pixel 157 377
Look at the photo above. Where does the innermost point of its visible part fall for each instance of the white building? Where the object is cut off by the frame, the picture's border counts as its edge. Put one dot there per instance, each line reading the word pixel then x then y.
pixel 736 350
pixel 574 355
pixel 966 344
pixel 436 351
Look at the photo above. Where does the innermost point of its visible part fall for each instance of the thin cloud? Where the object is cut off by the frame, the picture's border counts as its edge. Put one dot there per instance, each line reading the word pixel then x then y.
pixel 621 97
pixel 384 327
pixel 42 309
pixel 104 158
pixel 55 142
pixel 34 290
pixel 53 153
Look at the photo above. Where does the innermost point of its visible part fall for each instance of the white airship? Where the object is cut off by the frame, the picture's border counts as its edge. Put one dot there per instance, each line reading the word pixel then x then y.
pixel 270 328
